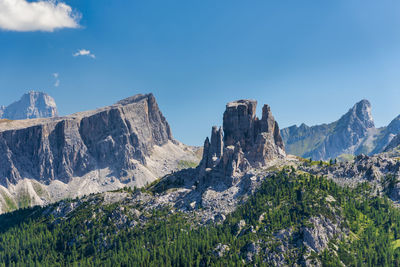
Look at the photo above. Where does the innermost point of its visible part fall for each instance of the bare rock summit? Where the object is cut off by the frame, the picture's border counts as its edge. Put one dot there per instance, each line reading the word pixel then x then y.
pixel 31 105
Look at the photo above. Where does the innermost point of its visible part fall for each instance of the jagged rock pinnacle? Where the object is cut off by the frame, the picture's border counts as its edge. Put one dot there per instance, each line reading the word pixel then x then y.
pixel 244 141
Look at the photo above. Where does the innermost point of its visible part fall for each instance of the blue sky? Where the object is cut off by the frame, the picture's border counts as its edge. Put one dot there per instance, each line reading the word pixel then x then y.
pixel 309 60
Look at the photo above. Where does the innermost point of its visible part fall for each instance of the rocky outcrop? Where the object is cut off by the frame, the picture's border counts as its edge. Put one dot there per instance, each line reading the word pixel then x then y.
pixel 220 250
pixel 362 168
pixel 354 133
pixel 244 142
pixel 31 105
pixel 322 231
pixel 250 251
pixel 382 171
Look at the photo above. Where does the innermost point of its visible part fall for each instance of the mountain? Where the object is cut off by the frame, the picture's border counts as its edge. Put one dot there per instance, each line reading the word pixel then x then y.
pixel 246 204
pixel 127 144
pixel 354 133
pixel 31 105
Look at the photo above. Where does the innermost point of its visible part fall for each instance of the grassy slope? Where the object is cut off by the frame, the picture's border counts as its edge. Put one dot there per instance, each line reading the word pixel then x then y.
pixel 307 140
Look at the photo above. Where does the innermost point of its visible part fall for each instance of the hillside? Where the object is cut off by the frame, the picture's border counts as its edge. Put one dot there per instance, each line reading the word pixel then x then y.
pixel 291 219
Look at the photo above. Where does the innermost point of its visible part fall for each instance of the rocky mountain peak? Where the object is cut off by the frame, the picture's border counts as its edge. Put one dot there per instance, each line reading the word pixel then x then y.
pixel 353 133
pixel 31 105
pixel 244 141
pixel 361 114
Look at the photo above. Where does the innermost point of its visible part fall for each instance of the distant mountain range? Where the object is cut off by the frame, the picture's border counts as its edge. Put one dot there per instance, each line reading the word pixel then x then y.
pixel 354 133
pixel 31 105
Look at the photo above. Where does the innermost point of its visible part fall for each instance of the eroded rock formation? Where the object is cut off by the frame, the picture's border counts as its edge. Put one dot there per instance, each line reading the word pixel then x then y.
pixel 244 142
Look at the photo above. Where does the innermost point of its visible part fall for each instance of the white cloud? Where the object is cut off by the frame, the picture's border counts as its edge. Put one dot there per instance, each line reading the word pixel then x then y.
pixel 57 81
pixel 84 52
pixel 43 15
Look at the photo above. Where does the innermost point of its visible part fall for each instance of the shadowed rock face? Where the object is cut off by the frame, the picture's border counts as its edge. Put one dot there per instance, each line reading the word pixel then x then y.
pixel 31 105
pixel 116 137
pixel 239 123
pixel 245 141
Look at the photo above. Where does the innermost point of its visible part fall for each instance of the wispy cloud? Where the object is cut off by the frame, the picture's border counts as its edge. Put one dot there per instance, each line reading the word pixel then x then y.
pixel 84 52
pixel 57 80
pixel 43 15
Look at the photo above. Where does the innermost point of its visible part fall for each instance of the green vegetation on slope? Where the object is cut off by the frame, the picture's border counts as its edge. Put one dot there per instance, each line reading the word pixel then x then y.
pixel 306 139
pixel 184 164
pixel 9 203
pixel 96 234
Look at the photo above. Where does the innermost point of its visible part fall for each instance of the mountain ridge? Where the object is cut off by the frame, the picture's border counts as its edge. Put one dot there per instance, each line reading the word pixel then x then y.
pixel 353 133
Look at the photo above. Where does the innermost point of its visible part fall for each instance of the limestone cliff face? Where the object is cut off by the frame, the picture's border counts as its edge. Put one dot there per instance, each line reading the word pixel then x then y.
pixel 31 105
pixel 118 137
pixel 244 142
